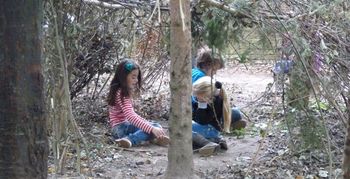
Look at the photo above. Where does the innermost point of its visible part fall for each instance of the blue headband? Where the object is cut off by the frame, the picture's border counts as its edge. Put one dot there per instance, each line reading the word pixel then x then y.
pixel 129 66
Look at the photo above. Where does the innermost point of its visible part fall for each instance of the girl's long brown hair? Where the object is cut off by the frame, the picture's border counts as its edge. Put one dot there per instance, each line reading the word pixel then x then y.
pixel 119 80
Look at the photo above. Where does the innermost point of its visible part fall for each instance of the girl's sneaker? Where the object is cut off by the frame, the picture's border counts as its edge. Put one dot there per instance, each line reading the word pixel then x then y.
pixel 238 125
pixel 162 141
pixel 124 143
pixel 209 149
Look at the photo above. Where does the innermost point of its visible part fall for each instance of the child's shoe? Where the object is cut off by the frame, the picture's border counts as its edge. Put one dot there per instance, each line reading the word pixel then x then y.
pixel 239 125
pixel 124 143
pixel 223 144
pixel 220 140
pixel 162 141
pixel 209 149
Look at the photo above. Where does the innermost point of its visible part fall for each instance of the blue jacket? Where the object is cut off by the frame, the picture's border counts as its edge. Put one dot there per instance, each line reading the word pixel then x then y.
pixel 196 74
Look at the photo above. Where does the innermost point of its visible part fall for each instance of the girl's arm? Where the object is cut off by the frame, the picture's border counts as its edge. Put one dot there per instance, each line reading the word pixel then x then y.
pixel 134 119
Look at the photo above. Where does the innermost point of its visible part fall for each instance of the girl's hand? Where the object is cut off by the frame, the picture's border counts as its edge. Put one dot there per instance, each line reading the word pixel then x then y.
pixel 158 132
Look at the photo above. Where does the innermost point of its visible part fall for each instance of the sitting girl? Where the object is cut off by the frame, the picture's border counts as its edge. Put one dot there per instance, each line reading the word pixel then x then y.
pixel 211 111
pixel 128 128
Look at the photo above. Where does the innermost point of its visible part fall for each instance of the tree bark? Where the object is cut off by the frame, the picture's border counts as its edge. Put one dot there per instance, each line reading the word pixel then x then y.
pixel 180 155
pixel 346 161
pixel 23 140
pixel 57 80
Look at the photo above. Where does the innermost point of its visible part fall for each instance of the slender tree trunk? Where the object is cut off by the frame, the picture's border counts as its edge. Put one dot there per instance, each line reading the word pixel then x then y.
pixel 180 159
pixel 23 140
pixel 346 161
pixel 57 79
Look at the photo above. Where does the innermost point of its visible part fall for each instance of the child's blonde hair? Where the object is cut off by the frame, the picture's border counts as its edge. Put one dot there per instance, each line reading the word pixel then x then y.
pixel 206 86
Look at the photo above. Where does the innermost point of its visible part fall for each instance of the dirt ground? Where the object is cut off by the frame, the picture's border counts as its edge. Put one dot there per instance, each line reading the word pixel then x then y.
pixel 261 151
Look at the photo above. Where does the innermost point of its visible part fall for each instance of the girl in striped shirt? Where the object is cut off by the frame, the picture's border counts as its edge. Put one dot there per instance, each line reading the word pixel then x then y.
pixel 128 128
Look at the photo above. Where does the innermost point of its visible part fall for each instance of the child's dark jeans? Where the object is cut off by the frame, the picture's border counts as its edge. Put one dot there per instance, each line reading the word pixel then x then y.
pixel 134 134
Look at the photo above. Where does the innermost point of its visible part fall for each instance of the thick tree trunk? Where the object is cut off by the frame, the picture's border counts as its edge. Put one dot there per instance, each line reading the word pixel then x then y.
pixel 180 159
pixel 23 140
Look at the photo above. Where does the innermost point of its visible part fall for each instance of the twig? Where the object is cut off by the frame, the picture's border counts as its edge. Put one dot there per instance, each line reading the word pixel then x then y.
pixel 96 85
pixel 237 54
pixel 104 4
pixel 63 157
pixel 104 85
pixel 154 10
pixel 131 150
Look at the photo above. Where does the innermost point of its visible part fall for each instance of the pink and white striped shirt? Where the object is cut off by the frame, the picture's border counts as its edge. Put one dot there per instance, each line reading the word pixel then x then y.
pixel 123 111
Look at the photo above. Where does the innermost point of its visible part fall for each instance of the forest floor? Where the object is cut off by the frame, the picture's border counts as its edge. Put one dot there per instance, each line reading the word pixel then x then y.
pixel 262 150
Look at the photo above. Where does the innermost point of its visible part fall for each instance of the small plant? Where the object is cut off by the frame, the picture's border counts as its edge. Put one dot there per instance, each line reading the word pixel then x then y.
pixel 239 133
pixel 323 106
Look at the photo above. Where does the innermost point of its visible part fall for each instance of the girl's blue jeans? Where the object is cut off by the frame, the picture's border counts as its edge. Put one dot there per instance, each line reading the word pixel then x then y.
pixel 134 134
pixel 207 131
pixel 235 115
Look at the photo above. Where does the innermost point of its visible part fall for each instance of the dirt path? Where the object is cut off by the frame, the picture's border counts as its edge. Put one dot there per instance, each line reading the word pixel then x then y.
pixel 245 83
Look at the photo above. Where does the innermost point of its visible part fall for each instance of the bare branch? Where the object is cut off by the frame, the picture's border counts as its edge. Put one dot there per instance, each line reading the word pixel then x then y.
pixel 240 14
pixel 104 4
pixel 226 8
pixel 121 5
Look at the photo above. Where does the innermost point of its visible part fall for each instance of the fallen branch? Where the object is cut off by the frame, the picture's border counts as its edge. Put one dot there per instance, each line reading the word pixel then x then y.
pixel 104 4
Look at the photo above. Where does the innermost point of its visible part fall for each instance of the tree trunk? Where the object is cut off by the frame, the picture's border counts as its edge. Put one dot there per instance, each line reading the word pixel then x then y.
pixel 57 80
pixel 180 159
pixel 346 161
pixel 23 140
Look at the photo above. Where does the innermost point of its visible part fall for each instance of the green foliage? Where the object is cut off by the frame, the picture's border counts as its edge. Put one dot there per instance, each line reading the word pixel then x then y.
pixel 304 47
pixel 299 89
pixel 237 31
pixel 264 39
pixel 221 28
pixel 319 8
pixel 239 133
pixel 243 56
pixel 262 133
pixel 307 129
pixel 216 31
pixel 323 106
pixel 312 133
pixel 242 4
